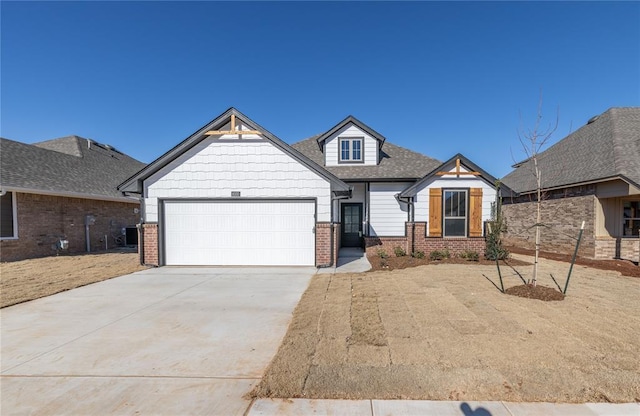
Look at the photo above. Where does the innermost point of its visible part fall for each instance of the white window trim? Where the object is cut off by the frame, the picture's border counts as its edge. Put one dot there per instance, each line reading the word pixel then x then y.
pixel 14 217
pixel 466 211
pixel 350 140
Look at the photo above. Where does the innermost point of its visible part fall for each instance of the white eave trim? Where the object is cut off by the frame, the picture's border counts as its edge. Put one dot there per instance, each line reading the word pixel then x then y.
pixel 129 200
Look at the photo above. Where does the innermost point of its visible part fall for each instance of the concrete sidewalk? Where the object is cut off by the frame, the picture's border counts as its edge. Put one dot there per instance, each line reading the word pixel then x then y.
pixel 350 260
pixel 285 407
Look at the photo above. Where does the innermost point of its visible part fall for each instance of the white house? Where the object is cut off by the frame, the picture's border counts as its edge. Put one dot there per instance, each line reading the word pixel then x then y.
pixel 234 194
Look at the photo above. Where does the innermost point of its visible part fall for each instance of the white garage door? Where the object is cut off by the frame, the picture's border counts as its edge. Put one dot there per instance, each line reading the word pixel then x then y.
pixel 239 233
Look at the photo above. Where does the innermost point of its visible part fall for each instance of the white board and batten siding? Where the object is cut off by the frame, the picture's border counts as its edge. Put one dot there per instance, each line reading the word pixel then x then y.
pixel 387 216
pixel 421 200
pixel 332 146
pixel 256 169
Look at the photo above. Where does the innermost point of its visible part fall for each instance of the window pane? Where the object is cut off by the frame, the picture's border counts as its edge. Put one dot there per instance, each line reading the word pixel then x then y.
pixel 344 146
pixel 6 215
pixel 455 204
pixel 454 228
pixel 357 150
pixel 631 218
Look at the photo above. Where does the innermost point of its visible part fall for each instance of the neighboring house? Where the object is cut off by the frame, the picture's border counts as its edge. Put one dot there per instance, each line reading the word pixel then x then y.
pixel 234 194
pixel 592 175
pixel 49 191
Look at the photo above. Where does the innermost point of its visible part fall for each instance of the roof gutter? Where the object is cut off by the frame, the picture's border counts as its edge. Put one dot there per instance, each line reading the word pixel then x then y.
pixel 595 181
pixel 126 199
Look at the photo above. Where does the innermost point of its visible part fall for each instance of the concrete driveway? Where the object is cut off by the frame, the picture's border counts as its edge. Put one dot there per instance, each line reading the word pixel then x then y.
pixel 161 341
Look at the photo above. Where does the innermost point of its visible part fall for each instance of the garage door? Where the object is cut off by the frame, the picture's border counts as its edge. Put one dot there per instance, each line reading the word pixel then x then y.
pixel 239 233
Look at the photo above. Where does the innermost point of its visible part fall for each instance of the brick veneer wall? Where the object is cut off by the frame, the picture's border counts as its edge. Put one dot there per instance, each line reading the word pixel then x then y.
pixel 150 244
pixel 416 240
pixel 323 243
pixel 44 219
pixel 388 244
pixel 630 249
pixel 605 247
pixel 562 218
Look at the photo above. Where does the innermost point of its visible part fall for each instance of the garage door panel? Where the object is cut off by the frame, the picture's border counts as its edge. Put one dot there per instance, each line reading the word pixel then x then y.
pixel 239 233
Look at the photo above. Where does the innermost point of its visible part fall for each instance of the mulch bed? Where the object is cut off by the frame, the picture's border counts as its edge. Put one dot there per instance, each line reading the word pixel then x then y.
pixel 625 267
pixel 392 262
pixel 535 292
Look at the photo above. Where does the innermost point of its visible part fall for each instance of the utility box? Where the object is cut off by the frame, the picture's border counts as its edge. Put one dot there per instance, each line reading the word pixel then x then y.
pixel 131 236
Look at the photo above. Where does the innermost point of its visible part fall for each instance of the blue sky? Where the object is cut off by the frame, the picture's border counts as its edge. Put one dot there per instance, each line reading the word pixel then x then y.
pixel 437 78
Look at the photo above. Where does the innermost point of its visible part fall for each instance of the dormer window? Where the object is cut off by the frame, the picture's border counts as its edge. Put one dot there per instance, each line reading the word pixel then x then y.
pixel 351 149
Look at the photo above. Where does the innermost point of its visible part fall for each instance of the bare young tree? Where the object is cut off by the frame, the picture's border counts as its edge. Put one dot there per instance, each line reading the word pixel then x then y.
pixel 532 141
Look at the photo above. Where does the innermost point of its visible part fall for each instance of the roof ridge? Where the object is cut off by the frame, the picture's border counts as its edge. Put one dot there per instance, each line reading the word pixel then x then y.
pixel 613 137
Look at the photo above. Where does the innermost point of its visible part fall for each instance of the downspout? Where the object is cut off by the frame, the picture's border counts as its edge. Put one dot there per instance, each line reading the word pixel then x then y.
pixel 331 228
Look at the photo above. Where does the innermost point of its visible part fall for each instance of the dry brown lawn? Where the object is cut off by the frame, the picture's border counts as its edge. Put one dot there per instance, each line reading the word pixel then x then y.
pixel 25 280
pixel 443 332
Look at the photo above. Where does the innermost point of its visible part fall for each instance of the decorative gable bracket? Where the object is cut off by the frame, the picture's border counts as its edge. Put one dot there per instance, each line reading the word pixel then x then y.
pixel 457 172
pixel 232 131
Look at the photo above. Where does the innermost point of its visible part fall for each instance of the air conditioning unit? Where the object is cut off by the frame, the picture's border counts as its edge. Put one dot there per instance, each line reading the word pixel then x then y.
pixel 131 236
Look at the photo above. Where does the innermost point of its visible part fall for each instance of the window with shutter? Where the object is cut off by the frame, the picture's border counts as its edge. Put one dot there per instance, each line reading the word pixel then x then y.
pixel 435 212
pixel 455 213
pixel 475 212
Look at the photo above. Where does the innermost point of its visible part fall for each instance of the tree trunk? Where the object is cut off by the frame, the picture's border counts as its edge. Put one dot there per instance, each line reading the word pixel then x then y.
pixel 534 281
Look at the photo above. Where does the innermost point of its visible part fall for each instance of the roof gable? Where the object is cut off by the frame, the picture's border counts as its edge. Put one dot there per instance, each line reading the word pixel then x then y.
pixel 134 183
pixel 607 147
pixel 395 163
pixel 350 120
pixel 459 166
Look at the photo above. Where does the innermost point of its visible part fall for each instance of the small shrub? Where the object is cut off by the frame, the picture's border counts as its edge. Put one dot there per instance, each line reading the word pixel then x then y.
pixel 494 249
pixel 399 251
pixel 382 254
pixel 418 254
pixel 470 255
pixel 439 254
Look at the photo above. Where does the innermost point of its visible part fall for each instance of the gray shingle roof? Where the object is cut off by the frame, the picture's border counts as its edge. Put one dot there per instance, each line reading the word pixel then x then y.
pixel 65 165
pixel 607 147
pixel 395 163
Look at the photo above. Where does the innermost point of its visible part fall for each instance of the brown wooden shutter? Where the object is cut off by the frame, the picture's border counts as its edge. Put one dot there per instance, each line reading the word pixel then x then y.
pixel 435 212
pixel 475 212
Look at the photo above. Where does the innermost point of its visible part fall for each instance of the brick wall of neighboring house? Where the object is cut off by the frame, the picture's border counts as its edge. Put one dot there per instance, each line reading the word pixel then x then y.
pixel 416 240
pixel 150 244
pixel 605 247
pixel 45 219
pixel 630 249
pixel 562 218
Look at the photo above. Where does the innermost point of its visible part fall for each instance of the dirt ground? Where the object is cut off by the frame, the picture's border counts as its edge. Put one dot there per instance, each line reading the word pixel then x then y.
pixel 446 333
pixel 393 262
pixel 625 267
pixel 25 280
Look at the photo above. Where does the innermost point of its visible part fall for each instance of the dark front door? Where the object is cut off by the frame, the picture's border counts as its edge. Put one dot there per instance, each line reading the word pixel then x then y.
pixel 351 228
